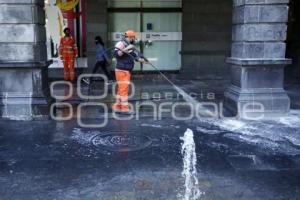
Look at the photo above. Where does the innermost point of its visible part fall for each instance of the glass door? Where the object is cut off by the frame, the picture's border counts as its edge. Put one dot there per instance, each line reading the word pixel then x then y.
pixel 161 38
pixel 158 24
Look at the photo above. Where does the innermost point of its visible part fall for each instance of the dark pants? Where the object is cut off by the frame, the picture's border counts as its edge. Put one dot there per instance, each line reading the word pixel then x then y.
pixel 102 64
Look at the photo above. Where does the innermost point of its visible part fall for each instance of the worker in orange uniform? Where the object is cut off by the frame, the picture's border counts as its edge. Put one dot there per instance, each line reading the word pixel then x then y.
pixel 125 54
pixel 68 52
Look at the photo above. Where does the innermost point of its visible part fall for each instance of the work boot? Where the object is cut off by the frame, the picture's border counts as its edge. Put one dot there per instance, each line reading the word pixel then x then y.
pixel 126 110
pixel 117 107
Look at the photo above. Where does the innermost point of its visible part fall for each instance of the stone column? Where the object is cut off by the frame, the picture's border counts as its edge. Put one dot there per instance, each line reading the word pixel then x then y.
pixel 258 59
pixel 24 87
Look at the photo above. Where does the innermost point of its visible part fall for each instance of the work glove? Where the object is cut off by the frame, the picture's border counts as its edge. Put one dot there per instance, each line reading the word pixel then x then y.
pixel 129 48
pixel 142 60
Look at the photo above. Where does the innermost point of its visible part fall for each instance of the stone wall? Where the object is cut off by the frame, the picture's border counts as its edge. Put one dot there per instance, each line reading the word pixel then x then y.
pixel 22 31
pixel 258 59
pixel 24 91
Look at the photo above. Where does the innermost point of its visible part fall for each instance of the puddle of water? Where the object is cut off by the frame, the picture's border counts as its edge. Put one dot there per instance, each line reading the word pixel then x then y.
pixel 121 142
pixel 189 173
pixel 151 125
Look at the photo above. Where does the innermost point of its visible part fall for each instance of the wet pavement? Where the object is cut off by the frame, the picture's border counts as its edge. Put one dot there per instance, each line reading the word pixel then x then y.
pixel 141 159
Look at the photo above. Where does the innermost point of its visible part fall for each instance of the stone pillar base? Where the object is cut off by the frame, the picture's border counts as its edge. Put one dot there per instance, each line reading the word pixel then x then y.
pixel 238 102
pixel 257 89
pixel 24 91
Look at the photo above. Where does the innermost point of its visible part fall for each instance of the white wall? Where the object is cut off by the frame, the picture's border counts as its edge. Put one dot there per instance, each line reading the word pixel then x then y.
pixel 52 23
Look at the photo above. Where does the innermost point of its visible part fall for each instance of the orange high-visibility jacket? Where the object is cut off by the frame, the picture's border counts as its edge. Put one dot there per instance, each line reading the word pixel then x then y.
pixel 68 47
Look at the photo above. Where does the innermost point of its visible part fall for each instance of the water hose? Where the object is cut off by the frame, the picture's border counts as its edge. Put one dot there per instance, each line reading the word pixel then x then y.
pixel 147 62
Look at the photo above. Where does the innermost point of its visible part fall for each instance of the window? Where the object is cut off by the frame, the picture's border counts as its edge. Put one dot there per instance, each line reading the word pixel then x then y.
pixel 144 3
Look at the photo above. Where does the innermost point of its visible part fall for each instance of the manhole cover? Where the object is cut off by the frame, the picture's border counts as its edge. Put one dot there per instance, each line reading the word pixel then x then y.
pixel 121 142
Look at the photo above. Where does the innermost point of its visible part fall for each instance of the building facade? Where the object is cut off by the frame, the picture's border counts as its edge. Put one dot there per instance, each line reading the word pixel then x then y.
pixel 246 41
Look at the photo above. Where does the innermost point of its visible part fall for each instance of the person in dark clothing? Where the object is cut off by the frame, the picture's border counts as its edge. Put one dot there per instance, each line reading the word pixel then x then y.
pixel 102 61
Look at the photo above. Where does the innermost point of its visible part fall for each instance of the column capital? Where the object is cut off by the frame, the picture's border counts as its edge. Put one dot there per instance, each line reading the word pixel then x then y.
pixel 258 62
pixel 261 13
pixel 258 2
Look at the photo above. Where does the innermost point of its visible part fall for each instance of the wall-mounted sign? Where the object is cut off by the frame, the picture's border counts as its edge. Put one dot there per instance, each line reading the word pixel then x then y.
pixel 153 36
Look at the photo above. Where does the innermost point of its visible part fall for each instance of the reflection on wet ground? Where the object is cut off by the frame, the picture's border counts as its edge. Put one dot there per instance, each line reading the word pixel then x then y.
pixel 142 160
pixel 136 160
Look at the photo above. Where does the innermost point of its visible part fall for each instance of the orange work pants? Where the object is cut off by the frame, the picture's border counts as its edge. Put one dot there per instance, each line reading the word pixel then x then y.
pixel 68 68
pixel 123 82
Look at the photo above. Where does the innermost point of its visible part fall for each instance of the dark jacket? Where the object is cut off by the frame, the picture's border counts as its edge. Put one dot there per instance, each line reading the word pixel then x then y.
pixel 101 54
pixel 126 61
